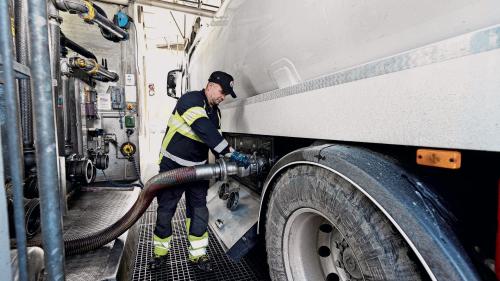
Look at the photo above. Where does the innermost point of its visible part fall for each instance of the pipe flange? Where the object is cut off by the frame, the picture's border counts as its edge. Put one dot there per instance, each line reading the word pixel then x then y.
pixel 94 70
pixel 90 15
pixel 223 169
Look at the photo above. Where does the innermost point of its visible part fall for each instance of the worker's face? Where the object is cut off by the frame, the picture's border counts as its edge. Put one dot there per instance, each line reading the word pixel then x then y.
pixel 215 95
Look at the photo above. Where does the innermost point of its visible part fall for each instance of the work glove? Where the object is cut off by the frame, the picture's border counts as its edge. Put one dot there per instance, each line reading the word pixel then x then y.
pixel 241 159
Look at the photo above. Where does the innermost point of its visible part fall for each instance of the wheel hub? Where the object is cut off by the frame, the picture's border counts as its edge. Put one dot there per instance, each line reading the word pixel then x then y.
pixel 314 249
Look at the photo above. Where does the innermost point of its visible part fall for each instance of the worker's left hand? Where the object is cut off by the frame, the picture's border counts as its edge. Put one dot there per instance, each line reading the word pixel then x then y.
pixel 242 160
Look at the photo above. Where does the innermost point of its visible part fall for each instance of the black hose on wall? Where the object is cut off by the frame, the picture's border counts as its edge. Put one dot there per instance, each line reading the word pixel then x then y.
pixel 153 186
pixel 22 54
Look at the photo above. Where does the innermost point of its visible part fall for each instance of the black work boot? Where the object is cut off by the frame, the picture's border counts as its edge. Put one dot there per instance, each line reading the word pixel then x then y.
pixel 203 264
pixel 156 262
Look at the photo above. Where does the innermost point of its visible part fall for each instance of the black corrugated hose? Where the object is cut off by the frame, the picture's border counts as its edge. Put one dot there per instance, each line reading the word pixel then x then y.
pixel 96 240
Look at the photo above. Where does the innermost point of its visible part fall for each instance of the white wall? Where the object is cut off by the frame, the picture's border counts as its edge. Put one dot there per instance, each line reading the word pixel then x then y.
pixel 156 28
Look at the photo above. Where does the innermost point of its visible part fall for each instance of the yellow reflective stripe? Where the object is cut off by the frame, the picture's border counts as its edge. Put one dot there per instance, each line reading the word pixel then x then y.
pixel 176 124
pixel 194 254
pixel 183 128
pixel 193 114
pixel 161 245
pixel 168 137
pixel 197 242
pixel 188 224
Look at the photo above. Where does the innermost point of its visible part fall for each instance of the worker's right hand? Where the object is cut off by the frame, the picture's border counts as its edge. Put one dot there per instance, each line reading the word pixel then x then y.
pixel 242 160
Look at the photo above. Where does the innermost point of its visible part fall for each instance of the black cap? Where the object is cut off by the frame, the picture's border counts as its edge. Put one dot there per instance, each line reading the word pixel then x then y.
pixel 225 80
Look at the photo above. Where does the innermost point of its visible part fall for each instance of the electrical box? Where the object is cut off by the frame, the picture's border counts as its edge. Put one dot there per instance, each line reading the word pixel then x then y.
pixel 129 121
pixel 117 97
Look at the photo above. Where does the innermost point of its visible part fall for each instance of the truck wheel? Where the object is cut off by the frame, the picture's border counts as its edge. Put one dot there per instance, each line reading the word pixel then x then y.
pixel 321 227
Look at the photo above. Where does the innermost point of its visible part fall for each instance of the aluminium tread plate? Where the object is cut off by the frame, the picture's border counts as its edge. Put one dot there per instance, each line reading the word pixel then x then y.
pixel 89 213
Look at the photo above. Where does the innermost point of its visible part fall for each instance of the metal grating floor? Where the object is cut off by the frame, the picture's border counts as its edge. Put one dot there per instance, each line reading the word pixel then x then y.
pixel 177 266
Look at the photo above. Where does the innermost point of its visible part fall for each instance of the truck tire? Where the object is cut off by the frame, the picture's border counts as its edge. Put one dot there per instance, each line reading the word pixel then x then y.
pixel 319 226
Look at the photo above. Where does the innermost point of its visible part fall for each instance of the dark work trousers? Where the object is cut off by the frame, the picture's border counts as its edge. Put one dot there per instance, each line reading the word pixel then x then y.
pixel 196 204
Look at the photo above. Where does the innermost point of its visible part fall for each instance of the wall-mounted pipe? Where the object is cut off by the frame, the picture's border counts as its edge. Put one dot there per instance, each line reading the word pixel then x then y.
pixel 68 43
pixel 220 170
pixel 92 68
pixel 67 111
pixel 13 132
pixel 55 66
pixel 46 156
pixel 89 13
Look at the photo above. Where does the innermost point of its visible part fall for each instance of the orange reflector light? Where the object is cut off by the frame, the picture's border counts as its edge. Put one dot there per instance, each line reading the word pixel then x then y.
pixel 439 158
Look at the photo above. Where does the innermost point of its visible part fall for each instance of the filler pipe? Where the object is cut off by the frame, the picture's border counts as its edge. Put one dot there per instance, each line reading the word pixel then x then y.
pixel 13 134
pixel 86 9
pixel 93 69
pixel 46 151
pixel 220 170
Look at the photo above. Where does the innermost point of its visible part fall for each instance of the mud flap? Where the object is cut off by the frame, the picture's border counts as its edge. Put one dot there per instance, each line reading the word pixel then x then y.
pixel 236 230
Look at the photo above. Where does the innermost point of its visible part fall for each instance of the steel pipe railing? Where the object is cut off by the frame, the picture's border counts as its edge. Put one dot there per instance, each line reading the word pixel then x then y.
pixel 13 134
pixel 45 140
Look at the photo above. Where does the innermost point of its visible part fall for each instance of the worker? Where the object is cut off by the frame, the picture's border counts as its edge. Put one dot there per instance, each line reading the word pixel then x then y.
pixel 192 130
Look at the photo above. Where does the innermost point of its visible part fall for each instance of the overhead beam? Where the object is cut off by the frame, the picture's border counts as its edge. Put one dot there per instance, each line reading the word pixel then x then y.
pixel 179 8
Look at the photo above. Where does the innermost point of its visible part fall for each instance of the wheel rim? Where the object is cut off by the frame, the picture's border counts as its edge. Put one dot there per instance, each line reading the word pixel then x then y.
pixel 314 249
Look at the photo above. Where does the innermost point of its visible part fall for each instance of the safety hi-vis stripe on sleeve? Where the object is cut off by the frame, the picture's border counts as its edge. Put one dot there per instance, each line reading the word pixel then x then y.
pixel 221 146
pixel 193 113
pixel 180 161
pixel 197 252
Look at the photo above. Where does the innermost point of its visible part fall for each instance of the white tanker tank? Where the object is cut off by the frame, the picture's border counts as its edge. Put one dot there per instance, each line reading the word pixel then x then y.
pixel 381 115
